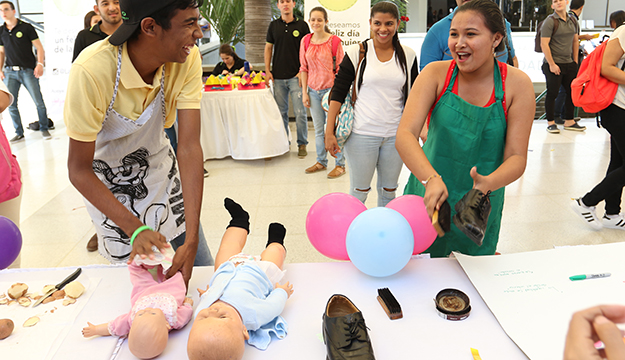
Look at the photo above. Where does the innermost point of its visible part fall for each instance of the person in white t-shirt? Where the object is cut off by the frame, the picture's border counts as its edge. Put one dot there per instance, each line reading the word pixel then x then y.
pixel 610 189
pixel 383 82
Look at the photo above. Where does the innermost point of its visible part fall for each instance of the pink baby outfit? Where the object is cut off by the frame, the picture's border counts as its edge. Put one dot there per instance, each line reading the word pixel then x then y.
pixel 166 295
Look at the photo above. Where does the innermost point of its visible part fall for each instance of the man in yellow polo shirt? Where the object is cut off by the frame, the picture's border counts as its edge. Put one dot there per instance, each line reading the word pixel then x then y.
pixel 122 92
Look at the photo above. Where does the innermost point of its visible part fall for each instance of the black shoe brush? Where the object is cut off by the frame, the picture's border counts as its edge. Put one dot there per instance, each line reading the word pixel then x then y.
pixel 389 304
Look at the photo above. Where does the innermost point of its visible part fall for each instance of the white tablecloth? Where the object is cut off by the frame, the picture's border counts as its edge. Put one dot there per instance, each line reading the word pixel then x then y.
pixel 244 124
pixel 420 334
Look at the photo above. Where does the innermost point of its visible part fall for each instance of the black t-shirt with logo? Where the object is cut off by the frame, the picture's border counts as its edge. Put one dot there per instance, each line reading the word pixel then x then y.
pixel 18 45
pixel 286 39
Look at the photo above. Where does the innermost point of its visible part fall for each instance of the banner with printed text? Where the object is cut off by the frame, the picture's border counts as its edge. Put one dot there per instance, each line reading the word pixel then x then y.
pixel 349 19
pixel 63 20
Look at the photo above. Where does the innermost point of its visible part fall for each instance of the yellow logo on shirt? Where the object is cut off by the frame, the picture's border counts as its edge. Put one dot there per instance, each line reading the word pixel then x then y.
pixel 19 34
pixel 296 33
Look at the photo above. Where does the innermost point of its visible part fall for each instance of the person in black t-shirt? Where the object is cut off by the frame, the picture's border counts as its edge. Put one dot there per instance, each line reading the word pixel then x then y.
pixel 111 19
pixel 283 41
pixel 21 67
pixel 230 63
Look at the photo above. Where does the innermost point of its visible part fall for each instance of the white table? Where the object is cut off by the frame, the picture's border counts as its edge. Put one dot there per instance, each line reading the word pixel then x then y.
pixel 244 124
pixel 420 334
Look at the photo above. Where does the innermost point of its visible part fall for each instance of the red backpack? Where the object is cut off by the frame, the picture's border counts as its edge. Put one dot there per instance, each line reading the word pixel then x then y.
pixel 590 90
pixel 336 41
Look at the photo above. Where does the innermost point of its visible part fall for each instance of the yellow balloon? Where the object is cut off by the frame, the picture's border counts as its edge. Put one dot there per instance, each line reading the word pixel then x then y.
pixel 69 7
pixel 337 5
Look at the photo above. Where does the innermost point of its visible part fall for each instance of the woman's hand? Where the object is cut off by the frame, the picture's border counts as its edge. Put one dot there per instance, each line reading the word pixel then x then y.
pixel 305 99
pixel 435 194
pixel 332 146
pixel 225 72
pixel 480 182
pixel 596 323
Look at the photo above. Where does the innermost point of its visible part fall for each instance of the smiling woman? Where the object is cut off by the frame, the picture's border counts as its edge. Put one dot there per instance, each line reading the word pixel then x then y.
pixel 478 131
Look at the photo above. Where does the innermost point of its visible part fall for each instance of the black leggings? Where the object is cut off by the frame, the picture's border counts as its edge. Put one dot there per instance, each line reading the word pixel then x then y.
pixel 568 72
pixel 610 188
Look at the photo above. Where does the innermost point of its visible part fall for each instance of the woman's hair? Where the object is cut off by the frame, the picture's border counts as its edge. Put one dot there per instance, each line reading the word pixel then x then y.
pixel 493 18
pixel 325 16
pixel 617 17
pixel 387 7
pixel 88 17
pixel 226 49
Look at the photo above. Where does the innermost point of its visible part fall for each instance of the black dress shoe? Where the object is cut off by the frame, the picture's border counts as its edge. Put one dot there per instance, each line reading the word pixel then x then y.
pixel 344 331
pixel 472 214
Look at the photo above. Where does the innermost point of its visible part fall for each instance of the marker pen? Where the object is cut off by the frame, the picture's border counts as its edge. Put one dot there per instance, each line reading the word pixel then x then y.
pixel 589 276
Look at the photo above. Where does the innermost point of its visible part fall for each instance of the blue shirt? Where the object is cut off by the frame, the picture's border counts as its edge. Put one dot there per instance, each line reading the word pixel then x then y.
pixel 435 47
pixel 248 289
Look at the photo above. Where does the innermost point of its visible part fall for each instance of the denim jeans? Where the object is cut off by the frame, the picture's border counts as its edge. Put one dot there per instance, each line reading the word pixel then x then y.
pixel 203 256
pixel 281 91
pixel 13 80
pixel 365 154
pixel 319 120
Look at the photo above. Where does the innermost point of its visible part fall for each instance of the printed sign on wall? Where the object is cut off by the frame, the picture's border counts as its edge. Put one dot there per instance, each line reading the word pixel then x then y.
pixel 349 19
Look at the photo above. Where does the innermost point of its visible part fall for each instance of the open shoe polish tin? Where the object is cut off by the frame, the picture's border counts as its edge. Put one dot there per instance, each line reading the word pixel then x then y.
pixel 452 304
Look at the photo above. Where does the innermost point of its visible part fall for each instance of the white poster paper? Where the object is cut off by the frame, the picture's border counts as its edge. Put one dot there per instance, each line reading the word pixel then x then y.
pixel 349 19
pixel 63 20
pixel 533 298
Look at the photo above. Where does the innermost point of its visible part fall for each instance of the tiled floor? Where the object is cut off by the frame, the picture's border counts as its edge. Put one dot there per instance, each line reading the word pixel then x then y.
pixel 56 227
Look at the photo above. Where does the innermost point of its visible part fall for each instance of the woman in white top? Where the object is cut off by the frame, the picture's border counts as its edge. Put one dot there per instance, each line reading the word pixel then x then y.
pixel 612 118
pixel 382 83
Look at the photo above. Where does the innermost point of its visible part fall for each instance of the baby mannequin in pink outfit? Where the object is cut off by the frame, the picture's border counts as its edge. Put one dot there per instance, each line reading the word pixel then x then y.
pixel 157 307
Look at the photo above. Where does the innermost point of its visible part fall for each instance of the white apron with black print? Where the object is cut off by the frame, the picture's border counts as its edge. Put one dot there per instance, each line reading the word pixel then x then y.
pixel 135 160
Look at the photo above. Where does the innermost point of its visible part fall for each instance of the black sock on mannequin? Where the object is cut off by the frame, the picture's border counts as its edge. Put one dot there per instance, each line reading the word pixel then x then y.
pixel 240 217
pixel 277 232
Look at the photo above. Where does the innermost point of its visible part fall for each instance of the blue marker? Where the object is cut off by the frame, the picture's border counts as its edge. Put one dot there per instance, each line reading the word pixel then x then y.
pixel 589 276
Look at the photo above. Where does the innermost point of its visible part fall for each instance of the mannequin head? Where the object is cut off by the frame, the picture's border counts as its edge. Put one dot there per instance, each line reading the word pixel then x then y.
pixel 149 333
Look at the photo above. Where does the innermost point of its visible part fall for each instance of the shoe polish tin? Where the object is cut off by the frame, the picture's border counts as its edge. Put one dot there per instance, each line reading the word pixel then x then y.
pixel 452 304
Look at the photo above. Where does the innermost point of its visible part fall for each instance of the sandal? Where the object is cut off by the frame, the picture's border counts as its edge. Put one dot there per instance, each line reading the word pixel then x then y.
pixel 315 168
pixel 337 172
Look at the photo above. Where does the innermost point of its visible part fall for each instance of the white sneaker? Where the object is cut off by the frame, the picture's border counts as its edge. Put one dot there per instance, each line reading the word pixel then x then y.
pixel 613 222
pixel 587 213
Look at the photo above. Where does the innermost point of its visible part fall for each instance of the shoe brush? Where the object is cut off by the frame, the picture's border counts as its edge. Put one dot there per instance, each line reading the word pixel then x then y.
pixel 389 304
pixel 441 219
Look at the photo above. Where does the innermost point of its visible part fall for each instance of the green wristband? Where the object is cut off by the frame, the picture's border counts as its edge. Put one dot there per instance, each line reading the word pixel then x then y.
pixel 138 231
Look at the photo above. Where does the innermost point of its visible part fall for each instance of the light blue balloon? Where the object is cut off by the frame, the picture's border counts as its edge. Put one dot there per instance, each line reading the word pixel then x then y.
pixel 379 242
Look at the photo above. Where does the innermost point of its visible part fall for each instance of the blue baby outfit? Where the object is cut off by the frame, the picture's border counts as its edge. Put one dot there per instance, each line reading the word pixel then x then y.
pixel 248 289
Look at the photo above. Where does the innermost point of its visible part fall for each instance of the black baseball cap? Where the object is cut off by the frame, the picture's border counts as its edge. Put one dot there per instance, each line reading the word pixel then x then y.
pixel 133 11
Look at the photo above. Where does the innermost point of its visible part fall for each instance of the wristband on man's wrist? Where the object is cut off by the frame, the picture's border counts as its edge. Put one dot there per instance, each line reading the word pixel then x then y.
pixel 138 231
pixel 42 65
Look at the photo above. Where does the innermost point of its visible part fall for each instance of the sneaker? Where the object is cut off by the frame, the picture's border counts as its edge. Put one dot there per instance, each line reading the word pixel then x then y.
pixel 613 221
pixel 337 172
pixel 575 127
pixel 206 173
pixel 301 151
pixel 315 168
pixel 46 134
pixel 17 138
pixel 588 213
pixel 344 331
pixel 472 215
pixel 553 129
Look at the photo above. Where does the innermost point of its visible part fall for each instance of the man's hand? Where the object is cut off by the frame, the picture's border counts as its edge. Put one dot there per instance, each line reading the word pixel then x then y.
pixel 143 243
pixel 268 77
pixel 286 287
pixel 183 262
pixel 596 323
pixel 38 71
pixel 554 69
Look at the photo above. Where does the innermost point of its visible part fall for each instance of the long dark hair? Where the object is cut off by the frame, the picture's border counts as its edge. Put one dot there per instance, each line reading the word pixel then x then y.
pixel 226 49
pixel 493 18
pixel 387 7
pixel 325 16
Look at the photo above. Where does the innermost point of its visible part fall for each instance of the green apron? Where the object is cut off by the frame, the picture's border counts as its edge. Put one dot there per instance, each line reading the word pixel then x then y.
pixel 462 135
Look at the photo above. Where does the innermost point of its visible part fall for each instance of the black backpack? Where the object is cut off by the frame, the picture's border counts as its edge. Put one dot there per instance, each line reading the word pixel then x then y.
pixel 35 125
pixel 537 45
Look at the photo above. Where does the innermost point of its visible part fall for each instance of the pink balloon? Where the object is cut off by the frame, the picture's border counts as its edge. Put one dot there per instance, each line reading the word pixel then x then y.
pixel 413 209
pixel 328 220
